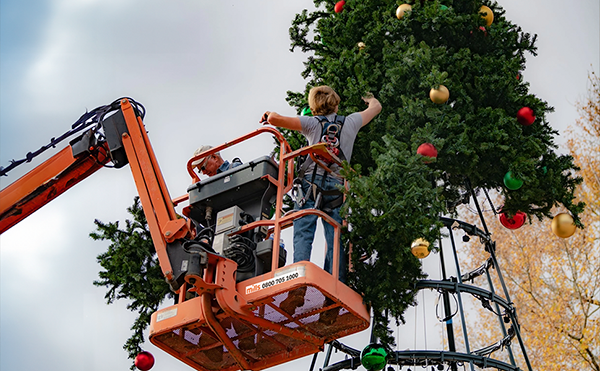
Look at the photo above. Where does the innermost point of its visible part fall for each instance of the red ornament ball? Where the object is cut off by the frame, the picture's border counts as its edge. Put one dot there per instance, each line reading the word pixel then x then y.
pixel 427 150
pixel 339 6
pixel 144 361
pixel 525 116
pixel 515 222
pixel 482 29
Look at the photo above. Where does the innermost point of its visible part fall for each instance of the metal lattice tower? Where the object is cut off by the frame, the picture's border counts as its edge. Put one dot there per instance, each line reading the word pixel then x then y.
pixel 449 288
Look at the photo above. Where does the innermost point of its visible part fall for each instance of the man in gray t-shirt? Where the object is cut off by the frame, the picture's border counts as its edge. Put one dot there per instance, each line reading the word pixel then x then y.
pixel 323 101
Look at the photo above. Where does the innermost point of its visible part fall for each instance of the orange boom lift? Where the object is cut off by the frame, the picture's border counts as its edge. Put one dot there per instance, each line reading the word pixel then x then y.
pixel 221 260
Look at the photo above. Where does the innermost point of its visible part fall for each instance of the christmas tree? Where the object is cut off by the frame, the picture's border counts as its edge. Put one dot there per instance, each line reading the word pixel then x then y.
pixel 448 74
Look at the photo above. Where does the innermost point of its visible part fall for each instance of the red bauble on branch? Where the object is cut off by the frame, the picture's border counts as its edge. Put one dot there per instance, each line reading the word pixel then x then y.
pixel 525 116
pixel 515 222
pixel 427 150
pixel 144 361
pixel 339 6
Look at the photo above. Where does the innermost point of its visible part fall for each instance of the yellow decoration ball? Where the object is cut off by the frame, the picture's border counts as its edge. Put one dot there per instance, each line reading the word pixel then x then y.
pixel 563 226
pixel 403 9
pixel 489 15
pixel 420 248
pixel 439 95
pixel 361 45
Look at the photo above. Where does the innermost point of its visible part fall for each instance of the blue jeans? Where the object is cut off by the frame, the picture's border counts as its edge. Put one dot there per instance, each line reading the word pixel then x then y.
pixel 304 227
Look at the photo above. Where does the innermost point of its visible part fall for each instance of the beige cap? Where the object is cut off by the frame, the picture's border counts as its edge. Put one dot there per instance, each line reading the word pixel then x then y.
pixel 201 149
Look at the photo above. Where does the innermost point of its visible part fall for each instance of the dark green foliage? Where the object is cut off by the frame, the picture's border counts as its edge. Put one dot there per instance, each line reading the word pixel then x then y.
pixel 392 207
pixel 132 271
pixel 397 197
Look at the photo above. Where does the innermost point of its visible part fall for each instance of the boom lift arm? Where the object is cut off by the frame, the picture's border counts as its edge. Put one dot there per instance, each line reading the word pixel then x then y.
pixel 124 140
pixel 83 157
pixel 226 319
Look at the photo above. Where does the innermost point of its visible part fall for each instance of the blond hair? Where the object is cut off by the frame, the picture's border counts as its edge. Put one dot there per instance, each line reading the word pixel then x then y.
pixel 323 100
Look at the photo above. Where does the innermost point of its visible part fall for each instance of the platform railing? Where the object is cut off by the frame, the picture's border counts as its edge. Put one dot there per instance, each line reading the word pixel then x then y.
pixel 284 184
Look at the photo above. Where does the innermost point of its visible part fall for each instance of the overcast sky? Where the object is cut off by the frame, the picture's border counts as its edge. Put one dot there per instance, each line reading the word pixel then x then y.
pixel 205 71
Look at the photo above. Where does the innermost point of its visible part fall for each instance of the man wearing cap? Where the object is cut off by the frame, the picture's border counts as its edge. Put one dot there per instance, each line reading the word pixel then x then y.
pixel 213 164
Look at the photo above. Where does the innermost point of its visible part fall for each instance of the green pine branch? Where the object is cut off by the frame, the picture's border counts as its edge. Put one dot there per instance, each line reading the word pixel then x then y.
pixel 131 271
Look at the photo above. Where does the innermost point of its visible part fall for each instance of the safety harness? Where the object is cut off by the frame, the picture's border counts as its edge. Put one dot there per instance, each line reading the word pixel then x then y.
pixel 330 134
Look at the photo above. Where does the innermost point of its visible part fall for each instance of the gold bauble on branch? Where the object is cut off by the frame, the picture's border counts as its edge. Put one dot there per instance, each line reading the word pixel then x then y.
pixel 403 9
pixel 487 14
pixel 420 248
pixel 439 95
pixel 563 225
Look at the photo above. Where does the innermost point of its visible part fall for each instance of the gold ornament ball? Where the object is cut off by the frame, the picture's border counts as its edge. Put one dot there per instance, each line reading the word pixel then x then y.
pixel 361 45
pixel 439 95
pixel 563 226
pixel 420 248
pixel 489 16
pixel 403 9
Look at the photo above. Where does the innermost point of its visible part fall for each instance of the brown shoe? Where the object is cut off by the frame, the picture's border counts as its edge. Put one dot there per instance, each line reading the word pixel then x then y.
pixel 328 317
pixel 294 300
pixel 247 343
pixel 215 354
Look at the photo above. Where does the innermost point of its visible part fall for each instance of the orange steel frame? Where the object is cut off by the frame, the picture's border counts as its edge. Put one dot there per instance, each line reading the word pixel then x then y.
pixel 236 300
pixel 46 182
pixel 284 184
pixel 217 283
pixel 62 171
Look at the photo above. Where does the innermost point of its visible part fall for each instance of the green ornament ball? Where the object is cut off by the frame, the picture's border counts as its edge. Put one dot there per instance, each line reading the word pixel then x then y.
pixel 373 357
pixel 511 182
pixel 306 112
pixel 443 7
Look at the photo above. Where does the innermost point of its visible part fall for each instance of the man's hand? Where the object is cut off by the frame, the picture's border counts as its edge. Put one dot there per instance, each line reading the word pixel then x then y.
pixel 371 111
pixel 368 98
pixel 275 119
pixel 265 118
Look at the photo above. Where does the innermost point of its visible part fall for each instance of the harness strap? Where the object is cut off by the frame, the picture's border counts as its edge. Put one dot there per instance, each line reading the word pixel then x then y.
pixel 333 204
pixel 322 120
pixel 304 167
pixel 316 192
pixel 325 131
